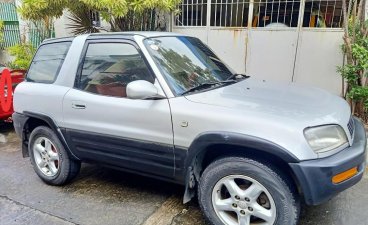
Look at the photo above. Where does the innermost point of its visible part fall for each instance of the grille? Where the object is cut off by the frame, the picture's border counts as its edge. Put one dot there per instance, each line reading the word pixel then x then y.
pixel 351 126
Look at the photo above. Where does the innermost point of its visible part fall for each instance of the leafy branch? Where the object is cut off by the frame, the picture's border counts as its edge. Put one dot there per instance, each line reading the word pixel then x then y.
pixel 355 49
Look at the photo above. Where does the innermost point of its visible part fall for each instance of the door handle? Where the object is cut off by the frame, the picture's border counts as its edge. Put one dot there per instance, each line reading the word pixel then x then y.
pixel 78 105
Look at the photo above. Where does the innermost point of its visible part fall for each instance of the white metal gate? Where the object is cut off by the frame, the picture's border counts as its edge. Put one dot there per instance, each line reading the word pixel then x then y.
pixel 282 40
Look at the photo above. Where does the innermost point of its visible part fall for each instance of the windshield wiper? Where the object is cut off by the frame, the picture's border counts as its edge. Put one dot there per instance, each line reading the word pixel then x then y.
pixel 237 76
pixel 205 85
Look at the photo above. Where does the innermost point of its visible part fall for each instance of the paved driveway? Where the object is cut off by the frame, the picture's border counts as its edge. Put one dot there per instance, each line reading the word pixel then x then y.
pixel 103 196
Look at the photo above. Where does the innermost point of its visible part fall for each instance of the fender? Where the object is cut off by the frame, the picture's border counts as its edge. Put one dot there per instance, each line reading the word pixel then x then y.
pixel 44 118
pixel 206 139
pixel 192 164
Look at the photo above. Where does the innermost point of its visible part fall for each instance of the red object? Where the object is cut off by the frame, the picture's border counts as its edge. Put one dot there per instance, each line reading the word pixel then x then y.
pixel 6 102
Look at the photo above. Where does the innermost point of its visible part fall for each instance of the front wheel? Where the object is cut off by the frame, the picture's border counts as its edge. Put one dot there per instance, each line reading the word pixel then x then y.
pixel 241 191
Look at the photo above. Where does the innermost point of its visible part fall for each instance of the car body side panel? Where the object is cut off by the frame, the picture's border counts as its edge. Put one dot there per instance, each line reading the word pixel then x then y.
pixel 134 154
pixel 209 118
pixel 99 130
pixel 148 120
pixel 40 98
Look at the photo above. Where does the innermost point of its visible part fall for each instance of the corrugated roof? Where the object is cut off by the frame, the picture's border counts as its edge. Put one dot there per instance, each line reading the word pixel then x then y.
pixel 11 35
pixel 8 11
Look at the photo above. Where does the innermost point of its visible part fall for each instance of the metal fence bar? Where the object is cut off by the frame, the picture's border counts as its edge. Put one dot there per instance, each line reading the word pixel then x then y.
pixel 242 16
pixel 196 18
pixel 341 12
pixel 191 13
pixel 319 9
pixel 259 13
pixel 202 13
pixel 226 13
pixel 286 3
pixel 237 13
pixel 326 8
pixel 231 12
pixel 333 14
pixel 265 14
pixel 278 11
pixel 192 19
pixel 292 13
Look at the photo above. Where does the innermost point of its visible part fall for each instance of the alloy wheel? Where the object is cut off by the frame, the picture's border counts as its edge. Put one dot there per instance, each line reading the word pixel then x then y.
pixel 46 156
pixel 241 200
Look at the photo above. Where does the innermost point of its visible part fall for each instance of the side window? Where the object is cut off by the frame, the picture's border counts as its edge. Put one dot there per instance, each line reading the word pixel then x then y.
pixel 47 62
pixel 109 67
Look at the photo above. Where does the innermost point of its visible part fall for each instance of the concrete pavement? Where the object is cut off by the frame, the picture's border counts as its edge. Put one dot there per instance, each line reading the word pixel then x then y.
pixel 104 196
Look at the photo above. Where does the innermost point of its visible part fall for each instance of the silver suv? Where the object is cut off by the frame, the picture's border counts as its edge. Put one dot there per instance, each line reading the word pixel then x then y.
pixel 164 105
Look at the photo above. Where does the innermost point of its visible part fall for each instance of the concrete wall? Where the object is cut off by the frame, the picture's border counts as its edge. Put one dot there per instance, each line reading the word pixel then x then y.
pixel 4 57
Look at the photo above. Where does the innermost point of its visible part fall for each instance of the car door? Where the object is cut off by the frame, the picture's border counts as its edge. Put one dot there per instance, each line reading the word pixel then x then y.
pixel 102 125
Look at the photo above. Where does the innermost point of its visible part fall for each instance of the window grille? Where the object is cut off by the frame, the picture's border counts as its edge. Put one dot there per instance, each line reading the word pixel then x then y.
pixel 277 13
pixel 266 13
pixel 192 13
pixel 229 13
pixel 323 14
pixel 95 18
pixel 8 14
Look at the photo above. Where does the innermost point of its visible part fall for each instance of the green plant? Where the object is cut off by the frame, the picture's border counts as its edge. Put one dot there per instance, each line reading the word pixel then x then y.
pixel 355 48
pixel 115 12
pixel 1 33
pixel 23 54
pixel 81 22
pixel 1 28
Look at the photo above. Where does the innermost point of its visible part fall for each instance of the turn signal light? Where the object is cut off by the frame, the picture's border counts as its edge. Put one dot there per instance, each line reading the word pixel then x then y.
pixel 344 175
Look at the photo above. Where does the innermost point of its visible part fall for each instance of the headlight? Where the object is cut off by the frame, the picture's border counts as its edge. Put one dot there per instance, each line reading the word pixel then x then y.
pixel 325 138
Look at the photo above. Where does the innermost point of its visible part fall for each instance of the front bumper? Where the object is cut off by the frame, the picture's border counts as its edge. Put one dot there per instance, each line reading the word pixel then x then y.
pixel 315 176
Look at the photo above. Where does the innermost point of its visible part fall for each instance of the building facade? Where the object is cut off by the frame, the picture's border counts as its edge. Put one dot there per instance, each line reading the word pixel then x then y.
pixel 17 31
pixel 11 31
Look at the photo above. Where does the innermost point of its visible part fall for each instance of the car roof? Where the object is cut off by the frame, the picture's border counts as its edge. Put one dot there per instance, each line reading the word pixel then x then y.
pixel 141 33
pixel 127 34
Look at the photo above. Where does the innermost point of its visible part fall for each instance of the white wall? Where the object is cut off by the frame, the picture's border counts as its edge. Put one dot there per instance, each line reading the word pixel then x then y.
pixel 4 57
pixel 61 25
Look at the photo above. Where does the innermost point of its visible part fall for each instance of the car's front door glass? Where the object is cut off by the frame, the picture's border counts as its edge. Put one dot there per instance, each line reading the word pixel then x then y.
pixel 186 62
pixel 109 67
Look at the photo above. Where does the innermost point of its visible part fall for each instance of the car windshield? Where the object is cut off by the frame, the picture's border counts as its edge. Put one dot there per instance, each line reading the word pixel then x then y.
pixel 186 62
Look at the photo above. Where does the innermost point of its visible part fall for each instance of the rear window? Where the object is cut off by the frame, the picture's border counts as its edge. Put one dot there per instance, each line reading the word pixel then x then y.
pixel 47 62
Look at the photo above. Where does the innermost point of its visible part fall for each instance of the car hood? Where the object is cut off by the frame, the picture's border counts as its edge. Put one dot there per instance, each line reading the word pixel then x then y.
pixel 291 102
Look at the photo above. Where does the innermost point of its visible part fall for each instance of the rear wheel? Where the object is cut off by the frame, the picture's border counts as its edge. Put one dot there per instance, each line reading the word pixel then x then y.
pixel 241 191
pixel 50 160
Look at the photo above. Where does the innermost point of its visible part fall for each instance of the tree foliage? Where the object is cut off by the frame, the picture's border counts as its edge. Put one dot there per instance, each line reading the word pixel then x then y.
pixel 355 48
pixel 22 54
pixel 109 9
pixel 1 32
pixel 81 22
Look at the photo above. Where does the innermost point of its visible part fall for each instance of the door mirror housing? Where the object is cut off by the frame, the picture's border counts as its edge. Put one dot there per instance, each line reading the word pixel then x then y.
pixel 142 89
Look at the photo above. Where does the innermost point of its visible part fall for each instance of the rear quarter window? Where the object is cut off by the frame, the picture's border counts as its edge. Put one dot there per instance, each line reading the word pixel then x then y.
pixel 47 62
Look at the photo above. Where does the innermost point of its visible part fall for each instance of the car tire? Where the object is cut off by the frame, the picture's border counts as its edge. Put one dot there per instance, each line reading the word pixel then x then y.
pixel 50 160
pixel 223 203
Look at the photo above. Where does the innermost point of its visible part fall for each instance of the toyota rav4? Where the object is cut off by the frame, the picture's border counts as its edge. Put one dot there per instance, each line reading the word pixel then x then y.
pixel 164 105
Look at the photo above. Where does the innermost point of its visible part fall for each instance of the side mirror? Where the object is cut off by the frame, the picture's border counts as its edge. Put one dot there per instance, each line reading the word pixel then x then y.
pixel 141 89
